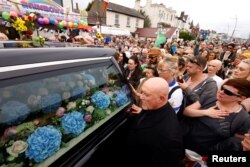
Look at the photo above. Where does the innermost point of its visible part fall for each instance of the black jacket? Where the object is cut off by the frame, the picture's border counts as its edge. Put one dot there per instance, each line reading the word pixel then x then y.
pixel 155 139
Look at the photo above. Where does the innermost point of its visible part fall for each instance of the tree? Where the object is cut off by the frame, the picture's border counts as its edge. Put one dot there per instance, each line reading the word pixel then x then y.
pixel 147 21
pixel 186 36
pixel 165 25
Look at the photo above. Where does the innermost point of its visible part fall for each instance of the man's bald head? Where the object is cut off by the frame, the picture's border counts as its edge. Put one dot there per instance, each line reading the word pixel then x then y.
pixel 216 63
pixel 154 93
pixel 157 85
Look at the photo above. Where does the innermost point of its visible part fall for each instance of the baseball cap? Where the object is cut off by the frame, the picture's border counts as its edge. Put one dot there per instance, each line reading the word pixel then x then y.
pixel 154 51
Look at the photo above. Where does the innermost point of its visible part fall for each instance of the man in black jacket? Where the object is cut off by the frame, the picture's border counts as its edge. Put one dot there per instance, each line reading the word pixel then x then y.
pixel 155 138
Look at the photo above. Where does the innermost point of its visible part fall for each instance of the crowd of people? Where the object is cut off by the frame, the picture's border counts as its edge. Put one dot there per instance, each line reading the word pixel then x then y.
pixel 188 95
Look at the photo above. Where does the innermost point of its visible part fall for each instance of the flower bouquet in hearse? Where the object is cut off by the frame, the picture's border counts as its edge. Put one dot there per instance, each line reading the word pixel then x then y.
pixel 48 114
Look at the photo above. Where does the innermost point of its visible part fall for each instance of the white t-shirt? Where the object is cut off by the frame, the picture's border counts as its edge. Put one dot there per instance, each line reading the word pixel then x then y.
pixel 218 81
pixel 176 97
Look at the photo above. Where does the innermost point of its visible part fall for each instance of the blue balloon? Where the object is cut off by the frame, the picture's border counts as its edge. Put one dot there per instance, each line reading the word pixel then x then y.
pixel 52 21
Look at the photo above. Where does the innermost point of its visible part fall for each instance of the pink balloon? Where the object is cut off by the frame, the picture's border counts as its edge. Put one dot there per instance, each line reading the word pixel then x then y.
pixel 13 14
pixel 46 20
pixel 65 23
pixel 56 23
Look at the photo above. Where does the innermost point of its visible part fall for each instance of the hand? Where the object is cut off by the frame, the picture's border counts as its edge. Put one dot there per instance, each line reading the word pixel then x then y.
pixel 135 109
pixel 246 142
pixel 216 113
pixel 183 85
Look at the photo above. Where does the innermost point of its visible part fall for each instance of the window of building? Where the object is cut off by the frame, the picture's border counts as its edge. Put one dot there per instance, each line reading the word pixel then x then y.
pixel 128 21
pixel 171 17
pixel 60 2
pixel 137 23
pixel 117 20
pixel 75 6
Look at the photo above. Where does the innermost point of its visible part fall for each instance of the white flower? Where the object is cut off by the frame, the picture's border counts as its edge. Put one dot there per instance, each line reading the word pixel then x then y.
pixel 71 106
pixel 108 111
pixel 110 94
pixel 90 109
pixel 17 148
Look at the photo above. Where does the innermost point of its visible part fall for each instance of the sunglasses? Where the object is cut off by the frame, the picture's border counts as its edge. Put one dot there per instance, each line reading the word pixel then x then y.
pixel 228 92
pixel 151 57
pixel 194 61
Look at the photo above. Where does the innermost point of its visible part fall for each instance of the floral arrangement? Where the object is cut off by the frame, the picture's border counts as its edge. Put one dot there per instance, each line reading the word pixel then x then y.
pixel 120 98
pixel 100 99
pixel 43 142
pixel 53 115
pixel 73 123
pixel 19 25
pixel 77 93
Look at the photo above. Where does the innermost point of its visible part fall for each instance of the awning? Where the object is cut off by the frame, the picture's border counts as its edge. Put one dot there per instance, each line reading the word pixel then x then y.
pixel 112 30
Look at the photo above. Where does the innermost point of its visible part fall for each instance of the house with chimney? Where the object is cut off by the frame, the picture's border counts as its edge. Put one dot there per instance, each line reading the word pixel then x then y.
pixel 115 16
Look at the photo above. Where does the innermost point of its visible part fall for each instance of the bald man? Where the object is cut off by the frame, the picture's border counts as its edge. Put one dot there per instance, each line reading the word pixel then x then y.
pixel 155 138
pixel 213 67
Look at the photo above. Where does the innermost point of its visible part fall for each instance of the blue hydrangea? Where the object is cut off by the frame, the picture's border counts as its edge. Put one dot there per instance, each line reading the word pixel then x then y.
pixel 43 143
pixel 100 99
pixel 50 103
pixel 73 123
pixel 13 112
pixel 126 90
pixel 77 93
pixel 120 98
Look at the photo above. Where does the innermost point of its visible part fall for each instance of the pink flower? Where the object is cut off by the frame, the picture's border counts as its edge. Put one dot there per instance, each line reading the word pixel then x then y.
pixel 10 131
pixel 60 111
pixel 105 89
pixel 88 118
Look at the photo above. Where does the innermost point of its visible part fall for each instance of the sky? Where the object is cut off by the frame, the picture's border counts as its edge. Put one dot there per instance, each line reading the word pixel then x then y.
pixel 218 15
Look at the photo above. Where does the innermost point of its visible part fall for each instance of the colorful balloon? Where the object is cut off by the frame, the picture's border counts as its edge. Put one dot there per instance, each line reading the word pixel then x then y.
pixel 65 23
pixel 60 25
pixel 40 21
pixel 6 15
pixel 56 22
pixel 70 24
pixel 52 21
pixel 13 14
pixel 75 24
pixel 46 20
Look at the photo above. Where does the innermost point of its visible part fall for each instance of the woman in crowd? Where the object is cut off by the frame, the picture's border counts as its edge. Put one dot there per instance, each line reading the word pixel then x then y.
pixel 133 71
pixel 119 59
pixel 242 71
pixel 217 128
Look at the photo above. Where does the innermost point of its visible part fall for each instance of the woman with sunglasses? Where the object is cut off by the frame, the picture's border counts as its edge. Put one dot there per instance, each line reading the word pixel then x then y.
pixel 216 128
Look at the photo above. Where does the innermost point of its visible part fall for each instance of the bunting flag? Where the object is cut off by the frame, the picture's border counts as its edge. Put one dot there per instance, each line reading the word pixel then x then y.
pixel 161 38
pixel 105 5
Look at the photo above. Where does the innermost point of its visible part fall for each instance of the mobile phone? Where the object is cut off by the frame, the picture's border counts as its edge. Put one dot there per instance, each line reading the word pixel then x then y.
pixel 180 79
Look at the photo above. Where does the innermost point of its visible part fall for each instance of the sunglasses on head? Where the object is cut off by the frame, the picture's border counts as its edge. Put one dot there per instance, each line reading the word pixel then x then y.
pixel 194 61
pixel 228 92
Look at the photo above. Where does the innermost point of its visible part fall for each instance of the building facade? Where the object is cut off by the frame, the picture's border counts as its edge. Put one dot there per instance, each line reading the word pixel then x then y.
pixel 159 13
pixel 115 16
